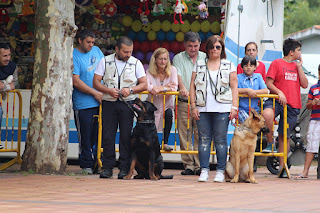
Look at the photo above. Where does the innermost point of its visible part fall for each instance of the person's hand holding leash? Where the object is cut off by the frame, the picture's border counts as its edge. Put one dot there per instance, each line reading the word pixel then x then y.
pixel 114 92
pixel 125 91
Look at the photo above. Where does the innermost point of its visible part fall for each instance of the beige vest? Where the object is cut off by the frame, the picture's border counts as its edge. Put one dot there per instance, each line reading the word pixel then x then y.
pixel 127 78
pixel 222 90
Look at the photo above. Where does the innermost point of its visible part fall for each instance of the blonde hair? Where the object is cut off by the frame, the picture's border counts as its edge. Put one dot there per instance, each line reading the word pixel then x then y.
pixel 153 69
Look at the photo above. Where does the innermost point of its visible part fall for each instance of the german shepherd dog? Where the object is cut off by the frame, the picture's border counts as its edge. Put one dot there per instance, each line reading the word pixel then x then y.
pixel 242 147
pixel 146 157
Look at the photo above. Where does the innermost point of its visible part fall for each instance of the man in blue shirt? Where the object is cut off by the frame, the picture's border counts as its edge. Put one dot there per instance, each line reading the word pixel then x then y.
pixel 85 98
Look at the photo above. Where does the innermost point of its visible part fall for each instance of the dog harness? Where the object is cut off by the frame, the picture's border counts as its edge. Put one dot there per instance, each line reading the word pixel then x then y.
pixel 111 78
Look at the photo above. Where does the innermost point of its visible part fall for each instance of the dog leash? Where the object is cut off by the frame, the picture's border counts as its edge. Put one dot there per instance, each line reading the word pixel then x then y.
pixel 130 107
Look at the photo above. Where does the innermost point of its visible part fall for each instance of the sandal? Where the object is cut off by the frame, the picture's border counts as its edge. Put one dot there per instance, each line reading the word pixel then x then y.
pixel 300 177
pixel 166 147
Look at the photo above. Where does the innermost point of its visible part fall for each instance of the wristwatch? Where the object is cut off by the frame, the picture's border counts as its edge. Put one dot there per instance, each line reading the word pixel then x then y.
pixel 165 89
pixel 131 91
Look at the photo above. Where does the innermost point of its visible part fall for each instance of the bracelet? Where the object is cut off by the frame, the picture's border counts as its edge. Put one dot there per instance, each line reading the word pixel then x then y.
pixel 233 107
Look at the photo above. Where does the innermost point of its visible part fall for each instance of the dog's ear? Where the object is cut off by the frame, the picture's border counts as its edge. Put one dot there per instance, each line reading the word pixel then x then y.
pixel 150 107
pixel 254 113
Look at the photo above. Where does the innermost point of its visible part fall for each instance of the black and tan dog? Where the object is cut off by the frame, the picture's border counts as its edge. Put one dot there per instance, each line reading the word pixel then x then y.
pixel 146 157
pixel 242 147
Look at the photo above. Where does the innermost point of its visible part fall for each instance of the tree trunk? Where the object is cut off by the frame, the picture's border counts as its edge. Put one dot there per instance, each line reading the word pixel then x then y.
pixel 48 127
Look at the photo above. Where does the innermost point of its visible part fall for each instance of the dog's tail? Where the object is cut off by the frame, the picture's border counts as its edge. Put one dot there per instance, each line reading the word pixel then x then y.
pixel 166 177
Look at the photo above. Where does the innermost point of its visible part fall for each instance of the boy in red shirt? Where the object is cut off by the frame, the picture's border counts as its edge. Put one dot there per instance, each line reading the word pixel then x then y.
pixel 284 78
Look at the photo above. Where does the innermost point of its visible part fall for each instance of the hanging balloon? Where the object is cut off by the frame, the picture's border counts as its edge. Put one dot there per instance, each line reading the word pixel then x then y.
pixel 154 45
pixel 146 28
pixel 171 36
pixel 152 35
pixel 139 55
pixel 185 27
pixel 180 36
pixel 182 47
pixel 215 27
pixel 148 56
pixel 171 55
pixel 209 34
pixel 136 25
pixel 175 27
pixel 136 45
pixel 203 47
pixel 202 36
pixel 205 26
pixel 156 25
pixel 141 36
pixel 175 46
pixel 166 25
pixel 195 26
pixel 161 36
pixel 132 35
pixel 144 47
pixel 166 45
pixel 127 21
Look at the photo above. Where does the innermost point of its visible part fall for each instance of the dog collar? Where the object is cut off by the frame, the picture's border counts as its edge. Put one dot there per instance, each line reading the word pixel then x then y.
pixel 242 128
pixel 146 122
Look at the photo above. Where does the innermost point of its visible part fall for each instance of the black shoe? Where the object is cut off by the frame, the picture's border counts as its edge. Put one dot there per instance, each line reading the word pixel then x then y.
pixel 122 173
pixel 197 172
pixel 107 173
pixel 187 172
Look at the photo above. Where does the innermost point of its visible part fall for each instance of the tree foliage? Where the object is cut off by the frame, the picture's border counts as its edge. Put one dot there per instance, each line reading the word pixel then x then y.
pixel 300 14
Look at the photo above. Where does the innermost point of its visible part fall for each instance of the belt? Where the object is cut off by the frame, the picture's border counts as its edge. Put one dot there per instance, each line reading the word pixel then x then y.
pixel 182 100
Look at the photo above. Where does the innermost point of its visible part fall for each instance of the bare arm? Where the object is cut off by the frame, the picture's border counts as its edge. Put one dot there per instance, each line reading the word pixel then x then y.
pixel 114 92
pixel 142 86
pixel 311 103
pixel 252 93
pixel 182 89
pixel 194 109
pixel 83 87
pixel 302 77
pixel 275 90
pixel 234 90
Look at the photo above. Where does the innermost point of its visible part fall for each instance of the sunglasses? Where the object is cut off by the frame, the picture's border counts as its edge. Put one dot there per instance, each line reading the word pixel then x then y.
pixel 218 47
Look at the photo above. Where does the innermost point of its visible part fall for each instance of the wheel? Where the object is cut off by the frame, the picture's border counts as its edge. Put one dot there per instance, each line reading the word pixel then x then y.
pixel 273 164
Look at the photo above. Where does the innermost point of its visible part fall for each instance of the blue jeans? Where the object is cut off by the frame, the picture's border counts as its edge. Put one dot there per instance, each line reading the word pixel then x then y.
pixel 213 126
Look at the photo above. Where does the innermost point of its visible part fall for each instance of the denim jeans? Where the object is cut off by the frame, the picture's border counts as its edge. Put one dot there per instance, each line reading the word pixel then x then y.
pixel 213 126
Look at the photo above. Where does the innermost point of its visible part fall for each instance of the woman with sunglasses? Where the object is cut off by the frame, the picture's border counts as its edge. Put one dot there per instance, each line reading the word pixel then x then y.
pixel 162 77
pixel 252 49
pixel 214 100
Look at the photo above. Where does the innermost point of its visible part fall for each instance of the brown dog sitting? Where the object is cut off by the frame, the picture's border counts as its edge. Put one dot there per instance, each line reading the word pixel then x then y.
pixel 242 147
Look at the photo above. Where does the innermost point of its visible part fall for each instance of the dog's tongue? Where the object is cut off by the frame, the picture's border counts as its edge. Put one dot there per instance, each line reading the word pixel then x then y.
pixel 136 106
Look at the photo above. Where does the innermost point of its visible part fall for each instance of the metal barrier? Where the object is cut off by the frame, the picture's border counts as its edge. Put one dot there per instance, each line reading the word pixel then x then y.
pixel 176 151
pixel 11 145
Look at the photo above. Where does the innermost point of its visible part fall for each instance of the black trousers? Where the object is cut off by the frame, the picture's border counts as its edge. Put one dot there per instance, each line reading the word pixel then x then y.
pixel 116 114
pixel 167 125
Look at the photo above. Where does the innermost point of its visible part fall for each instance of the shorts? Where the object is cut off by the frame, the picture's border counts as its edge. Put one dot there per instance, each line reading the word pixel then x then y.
pixel 313 136
pixel 242 115
pixel 292 114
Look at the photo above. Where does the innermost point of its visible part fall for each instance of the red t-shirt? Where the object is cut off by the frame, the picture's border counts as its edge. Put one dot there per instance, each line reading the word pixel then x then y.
pixel 261 69
pixel 286 78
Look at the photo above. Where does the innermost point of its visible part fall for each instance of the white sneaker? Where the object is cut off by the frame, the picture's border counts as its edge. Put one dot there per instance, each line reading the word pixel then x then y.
pixel 204 175
pixel 219 177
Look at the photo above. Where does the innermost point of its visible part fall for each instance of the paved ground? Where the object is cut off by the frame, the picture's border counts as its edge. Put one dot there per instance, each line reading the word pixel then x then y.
pixel 23 192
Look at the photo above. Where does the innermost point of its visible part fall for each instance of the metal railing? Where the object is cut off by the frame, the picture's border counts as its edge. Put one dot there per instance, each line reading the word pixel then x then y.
pixel 187 151
pixel 12 139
